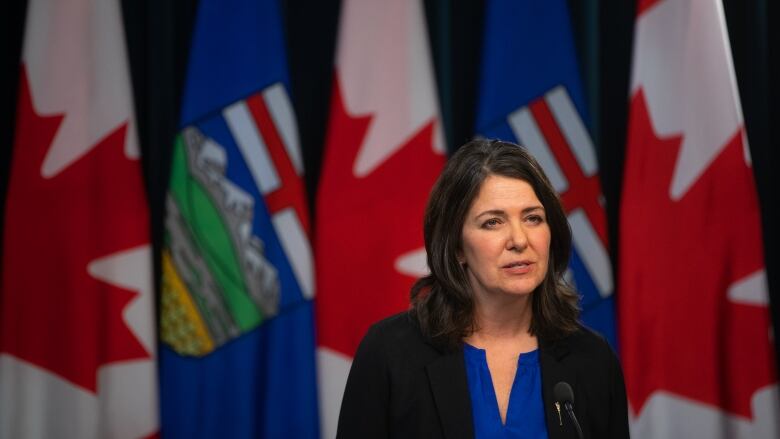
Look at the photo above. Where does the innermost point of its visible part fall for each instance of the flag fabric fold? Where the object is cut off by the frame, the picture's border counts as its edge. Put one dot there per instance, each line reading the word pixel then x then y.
pixel 383 152
pixel 237 333
pixel 694 327
pixel 530 93
pixel 77 343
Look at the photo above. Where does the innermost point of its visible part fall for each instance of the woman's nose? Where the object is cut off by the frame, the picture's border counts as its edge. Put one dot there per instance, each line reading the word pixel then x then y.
pixel 517 239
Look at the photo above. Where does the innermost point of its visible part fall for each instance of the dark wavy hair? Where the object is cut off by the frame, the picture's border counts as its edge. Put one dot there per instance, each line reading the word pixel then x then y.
pixel 442 302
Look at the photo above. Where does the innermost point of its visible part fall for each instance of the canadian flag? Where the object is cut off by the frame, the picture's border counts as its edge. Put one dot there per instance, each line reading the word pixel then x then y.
pixel 384 151
pixel 694 324
pixel 77 341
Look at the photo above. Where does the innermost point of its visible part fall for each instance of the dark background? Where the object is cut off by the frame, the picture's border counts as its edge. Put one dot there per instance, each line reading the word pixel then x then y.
pixel 158 35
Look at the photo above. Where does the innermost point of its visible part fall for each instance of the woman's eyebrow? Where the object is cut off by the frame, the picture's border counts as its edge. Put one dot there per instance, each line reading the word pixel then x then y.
pixel 500 212
pixel 497 212
pixel 533 208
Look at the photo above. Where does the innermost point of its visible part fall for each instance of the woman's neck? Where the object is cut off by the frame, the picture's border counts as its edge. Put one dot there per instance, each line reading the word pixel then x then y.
pixel 503 320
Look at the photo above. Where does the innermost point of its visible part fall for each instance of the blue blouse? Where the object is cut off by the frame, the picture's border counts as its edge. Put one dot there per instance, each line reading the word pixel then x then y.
pixel 525 414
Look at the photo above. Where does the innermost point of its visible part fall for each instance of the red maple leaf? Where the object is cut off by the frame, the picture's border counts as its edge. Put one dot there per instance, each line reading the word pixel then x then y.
pixel 680 332
pixel 54 313
pixel 364 225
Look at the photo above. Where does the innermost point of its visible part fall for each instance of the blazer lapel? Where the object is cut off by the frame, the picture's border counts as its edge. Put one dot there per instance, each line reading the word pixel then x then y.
pixel 447 375
pixel 553 372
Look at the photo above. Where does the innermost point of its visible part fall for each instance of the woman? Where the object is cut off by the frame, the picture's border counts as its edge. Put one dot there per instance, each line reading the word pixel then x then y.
pixel 494 327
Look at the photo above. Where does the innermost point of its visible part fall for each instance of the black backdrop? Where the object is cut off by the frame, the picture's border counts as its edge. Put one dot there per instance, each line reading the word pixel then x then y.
pixel 158 34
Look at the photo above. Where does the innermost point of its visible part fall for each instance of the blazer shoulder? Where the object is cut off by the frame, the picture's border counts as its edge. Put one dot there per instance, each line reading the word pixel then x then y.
pixel 584 349
pixel 586 341
pixel 389 328
pixel 399 326
pixel 398 322
pixel 399 338
pixel 592 357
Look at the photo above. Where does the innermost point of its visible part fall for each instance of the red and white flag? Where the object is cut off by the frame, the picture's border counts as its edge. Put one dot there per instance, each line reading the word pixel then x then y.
pixel 384 151
pixel 77 341
pixel 694 324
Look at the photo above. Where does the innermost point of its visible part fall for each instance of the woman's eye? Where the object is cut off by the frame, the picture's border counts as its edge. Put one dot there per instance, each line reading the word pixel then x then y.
pixel 492 222
pixel 535 219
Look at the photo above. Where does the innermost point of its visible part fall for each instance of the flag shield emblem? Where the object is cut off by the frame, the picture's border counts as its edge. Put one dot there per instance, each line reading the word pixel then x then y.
pixel 225 261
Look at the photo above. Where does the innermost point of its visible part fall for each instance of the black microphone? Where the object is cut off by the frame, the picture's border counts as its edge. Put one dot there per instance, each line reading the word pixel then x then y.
pixel 565 395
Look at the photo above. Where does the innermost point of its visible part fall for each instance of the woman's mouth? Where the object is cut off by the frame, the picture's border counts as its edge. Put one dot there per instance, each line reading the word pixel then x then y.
pixel 518 267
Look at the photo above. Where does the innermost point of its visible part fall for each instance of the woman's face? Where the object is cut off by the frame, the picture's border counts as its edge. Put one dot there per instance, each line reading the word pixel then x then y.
pixel 506 239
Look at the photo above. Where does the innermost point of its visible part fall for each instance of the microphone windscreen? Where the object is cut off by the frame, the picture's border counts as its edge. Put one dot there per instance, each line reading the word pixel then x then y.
pixel 563 392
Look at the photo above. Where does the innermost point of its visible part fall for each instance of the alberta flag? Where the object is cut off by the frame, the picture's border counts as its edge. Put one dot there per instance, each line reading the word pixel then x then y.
pixel 237 356
pixel 530 93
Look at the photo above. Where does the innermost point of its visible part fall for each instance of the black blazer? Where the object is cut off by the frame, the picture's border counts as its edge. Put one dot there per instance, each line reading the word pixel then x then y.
pixel 401 386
